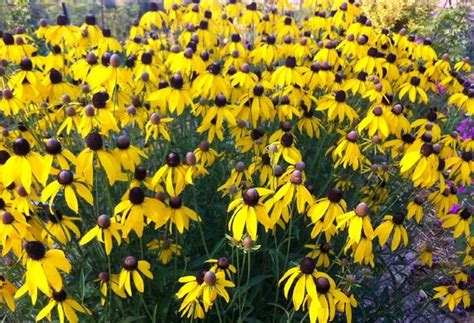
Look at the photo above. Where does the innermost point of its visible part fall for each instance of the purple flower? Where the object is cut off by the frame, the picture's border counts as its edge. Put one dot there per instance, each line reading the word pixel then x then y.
pixel 466 129
pixel 454 209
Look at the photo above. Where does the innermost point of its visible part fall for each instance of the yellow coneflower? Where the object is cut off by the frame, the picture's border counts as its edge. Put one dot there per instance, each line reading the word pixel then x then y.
pixel 248 211
pixel 166 249
pixel 111 281
pixel 172 174
pixel 66 181
pixel 13 229
pixel 222 264
pixel 337 107
pixel 42 270
pixel 65 305
pixel 127 155
pixel 460 221
pixel 59 227
pixel 106 229
pixel 453 295
pixel 7 291
pixel 392 223
pixel 24 166
pixel 133 209
pixel 320 253
pixel 132 268
pixel 357 221
pixel 178 214
pixel 86 160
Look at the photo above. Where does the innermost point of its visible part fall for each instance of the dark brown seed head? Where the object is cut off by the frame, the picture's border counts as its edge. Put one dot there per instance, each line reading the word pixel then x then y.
pixel 397 109
pixel 466 156
pixel 190 158
pixel 377 111
pixel 296 177
pixel 115 60
pixel 204 145
pixel 140 173
pixel 130 263
pixel 307 265
pixel 251 197
pixel 136 195
pixel 35 250
pixel 322 285
pixel 155 118
pixel 7 218
pixel 278 170
pixel 427 149
pixel 465 214
pixel 415 81
pixel 240 167
pixel 210 278
pixel 176 202
pixel 325 247
pixel 21 191
pixel 398 218
pixel 362 209
pixel 123 142
pixel 53 146
pixel 172 159
pixel 177 81
pixel 248 243
pixel 286 140
pixel 89 110
pixel 290 61
pixel 300 166
pixel 340 96
pixel 94 141
pixel 352 136
pixel 104 277
pixel 59 296
pixel 223 263
pixel 21 147
pixel 8 94
pixel 65 177
pixel 335 195
pixel 103 221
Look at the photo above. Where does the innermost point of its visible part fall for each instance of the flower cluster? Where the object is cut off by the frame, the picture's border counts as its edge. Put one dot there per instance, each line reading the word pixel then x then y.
pixel 306 124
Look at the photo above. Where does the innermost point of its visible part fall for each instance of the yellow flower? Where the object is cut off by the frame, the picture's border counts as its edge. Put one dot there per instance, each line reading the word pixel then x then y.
pixel 111 281
pixel 134 207
pixel 132 268
pixel 172 174
pixel 127 155
pixel 7 291
pixel 222 264
pixel 453 295
pixel 59 227
pixel 65 181
pixel 65 305
pixel 357 221
pixel 294 190
pixel 392 223
pixel 86 160
pixel 166 249
pixel 156 126
pixel 425 256
pixel 460 221
pixel 214 285
pixel 42 270
pixel 24 166
pixel 248 211
pixel 320 252
pixel 337 106
pixel 106 229
pixel 13 229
